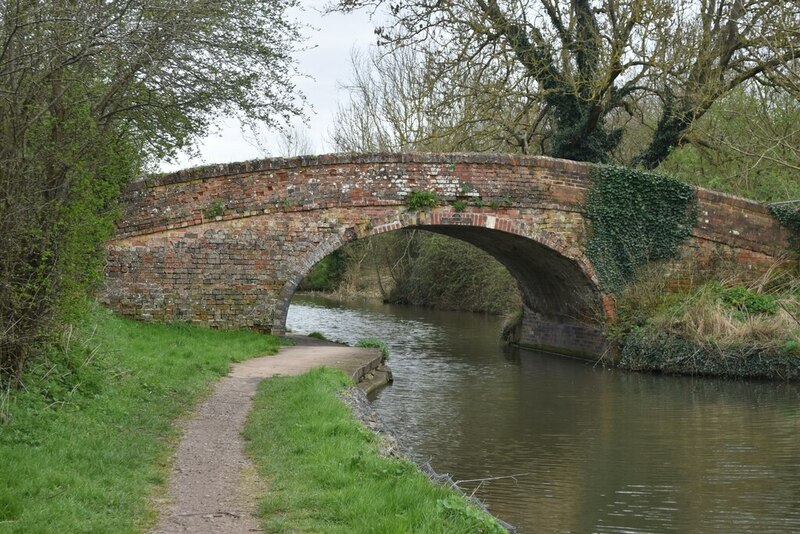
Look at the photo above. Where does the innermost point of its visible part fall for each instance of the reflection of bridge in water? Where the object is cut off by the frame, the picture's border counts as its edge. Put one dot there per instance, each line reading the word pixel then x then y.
pixel 227 245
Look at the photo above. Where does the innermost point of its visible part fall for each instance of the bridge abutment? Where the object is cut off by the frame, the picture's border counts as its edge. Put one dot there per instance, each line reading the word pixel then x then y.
pixel 570 338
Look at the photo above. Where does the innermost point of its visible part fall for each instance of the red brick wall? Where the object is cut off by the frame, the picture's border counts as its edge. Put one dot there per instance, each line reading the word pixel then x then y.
pixel 280 216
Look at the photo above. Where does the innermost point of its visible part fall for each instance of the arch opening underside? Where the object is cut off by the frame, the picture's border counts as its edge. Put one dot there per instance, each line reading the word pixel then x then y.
pixel 561 304
pixel 552 285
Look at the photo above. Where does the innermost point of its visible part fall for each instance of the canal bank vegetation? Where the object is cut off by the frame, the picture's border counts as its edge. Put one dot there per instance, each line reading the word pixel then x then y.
pixel 729 326
pixel 326 472
pixel 676 316
pixel 87 438
pixel 373 343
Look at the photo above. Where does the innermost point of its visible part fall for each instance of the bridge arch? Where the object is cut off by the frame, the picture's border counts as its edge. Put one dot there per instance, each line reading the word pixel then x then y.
pixel 560 290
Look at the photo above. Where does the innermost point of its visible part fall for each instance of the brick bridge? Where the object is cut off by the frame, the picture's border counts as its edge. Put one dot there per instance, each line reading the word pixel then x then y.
pixel 227 245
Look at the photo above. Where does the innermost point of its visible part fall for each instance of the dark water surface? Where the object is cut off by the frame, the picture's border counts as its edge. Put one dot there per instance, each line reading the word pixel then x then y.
pixel 595 450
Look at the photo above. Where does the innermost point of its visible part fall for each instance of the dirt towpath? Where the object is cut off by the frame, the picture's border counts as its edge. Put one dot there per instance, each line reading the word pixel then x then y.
pixel 213 486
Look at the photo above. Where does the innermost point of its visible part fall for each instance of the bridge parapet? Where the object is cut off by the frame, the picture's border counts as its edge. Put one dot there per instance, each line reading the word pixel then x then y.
pixel 253 188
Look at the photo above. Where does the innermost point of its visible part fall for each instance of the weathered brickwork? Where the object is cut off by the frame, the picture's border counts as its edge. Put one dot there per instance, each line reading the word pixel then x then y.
pixel 227 245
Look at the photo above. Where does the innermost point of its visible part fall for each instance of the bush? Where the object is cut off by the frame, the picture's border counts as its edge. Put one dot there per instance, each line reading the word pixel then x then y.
pixel 327 274
pixel 446 273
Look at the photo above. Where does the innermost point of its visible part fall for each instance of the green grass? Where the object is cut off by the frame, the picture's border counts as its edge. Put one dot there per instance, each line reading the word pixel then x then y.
pixel 372 343
pixel 87 442
pixel 326 474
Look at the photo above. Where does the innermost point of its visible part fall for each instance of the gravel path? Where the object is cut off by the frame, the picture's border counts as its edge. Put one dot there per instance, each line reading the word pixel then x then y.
pixel 213 486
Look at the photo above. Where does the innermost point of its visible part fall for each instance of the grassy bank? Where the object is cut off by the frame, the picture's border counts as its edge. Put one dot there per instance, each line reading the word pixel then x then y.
pixel 726 327
pixel 326 474
pixel 89 437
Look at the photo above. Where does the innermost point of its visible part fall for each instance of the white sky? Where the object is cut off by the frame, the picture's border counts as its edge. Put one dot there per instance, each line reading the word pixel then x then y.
pixel 326 65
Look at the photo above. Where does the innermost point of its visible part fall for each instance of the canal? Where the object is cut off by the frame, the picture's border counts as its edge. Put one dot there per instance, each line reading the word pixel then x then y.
pixel 585 449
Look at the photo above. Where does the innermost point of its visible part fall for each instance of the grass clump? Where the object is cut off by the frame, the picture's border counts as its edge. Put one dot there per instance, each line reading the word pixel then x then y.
pixel 326 473
pixel 460 205
pixel 372 343
pixel 88 438
pixel 318 335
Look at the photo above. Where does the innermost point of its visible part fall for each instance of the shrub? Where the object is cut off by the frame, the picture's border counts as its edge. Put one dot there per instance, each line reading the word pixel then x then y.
pixel 327 274
pixel 450 274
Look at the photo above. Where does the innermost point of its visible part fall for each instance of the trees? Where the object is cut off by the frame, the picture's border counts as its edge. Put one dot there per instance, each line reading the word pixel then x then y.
pixel 400 101
pixel 747 144
pixel 449 274
pixel 89 93
pixel 579 72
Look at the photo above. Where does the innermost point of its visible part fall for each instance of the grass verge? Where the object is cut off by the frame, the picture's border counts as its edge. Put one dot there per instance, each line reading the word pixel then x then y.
pixel 326 474
pixel 88 438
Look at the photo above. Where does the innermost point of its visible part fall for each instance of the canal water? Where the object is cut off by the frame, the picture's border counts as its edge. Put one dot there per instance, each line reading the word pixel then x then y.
pixel 586 449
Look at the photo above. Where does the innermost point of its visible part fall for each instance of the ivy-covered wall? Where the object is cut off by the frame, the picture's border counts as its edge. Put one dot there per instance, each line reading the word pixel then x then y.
pixel 636 217
pixel 788 214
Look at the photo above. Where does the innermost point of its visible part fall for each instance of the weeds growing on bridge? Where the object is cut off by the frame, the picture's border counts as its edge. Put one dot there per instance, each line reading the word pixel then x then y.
pixel 217 209
pixel 460 205
pixel 421 200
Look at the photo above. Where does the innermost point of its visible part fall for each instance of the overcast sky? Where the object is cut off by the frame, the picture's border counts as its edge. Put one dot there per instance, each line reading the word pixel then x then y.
pixel 326 65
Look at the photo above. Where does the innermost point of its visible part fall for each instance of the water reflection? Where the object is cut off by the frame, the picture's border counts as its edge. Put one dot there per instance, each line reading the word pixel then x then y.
pixel 597 450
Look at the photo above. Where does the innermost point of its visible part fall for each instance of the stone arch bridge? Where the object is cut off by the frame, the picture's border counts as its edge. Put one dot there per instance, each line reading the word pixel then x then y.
pixel 227 245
